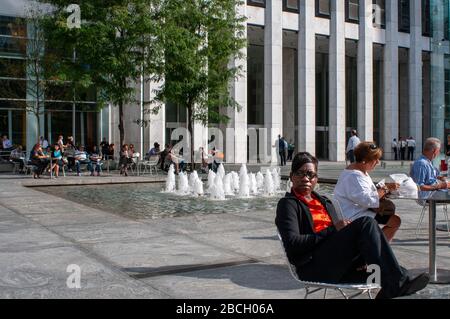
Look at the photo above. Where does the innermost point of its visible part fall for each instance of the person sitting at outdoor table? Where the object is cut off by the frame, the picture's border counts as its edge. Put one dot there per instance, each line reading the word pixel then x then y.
pixel 155 150
pixel 358 196
pixel 57 160
pixel 423 173
pixel 7 144
pixel 80 157
pixel 38 159
pixel 17 156
pixel 104 146
pixel 124 161
pixel 177 161
pixel 332 253
pixel 95 161
pixel 163 156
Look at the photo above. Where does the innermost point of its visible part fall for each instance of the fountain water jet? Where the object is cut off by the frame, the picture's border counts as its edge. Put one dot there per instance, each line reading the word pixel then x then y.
pixel 170 181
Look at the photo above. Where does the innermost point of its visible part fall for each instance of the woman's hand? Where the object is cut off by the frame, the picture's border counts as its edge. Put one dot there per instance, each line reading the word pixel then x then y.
pixel 342 224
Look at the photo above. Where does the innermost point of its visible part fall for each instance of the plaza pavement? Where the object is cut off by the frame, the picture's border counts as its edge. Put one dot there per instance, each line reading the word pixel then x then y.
pixel 233 255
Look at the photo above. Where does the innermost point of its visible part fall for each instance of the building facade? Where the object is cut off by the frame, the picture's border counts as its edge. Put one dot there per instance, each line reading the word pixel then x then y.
pixel 314 70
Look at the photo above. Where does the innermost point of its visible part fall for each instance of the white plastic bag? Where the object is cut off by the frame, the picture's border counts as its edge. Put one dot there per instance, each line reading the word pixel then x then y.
pixel 408 188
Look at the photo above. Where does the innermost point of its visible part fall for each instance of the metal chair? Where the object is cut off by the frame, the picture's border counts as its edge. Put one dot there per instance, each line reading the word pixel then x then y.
pixel 422 214
pixel 312 287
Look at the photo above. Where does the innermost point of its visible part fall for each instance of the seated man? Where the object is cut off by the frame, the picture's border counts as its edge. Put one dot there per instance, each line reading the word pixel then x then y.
pixel 17 156
pixel 424 174
pixel 323 252
pixel 80 157
pixel 7 144
pixel 95 161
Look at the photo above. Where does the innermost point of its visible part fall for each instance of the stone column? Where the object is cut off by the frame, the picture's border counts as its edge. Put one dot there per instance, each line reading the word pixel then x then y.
pixel 390 77
pixel 415 74
pixel 273 74
pixel 306 78
pixel 156 129
pixel 236 130
pixel 336 125
pixel 438 72
pixel 365 71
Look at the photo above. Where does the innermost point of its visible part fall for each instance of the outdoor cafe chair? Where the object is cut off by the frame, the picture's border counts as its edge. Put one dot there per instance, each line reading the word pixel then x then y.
pixel 312 287
pixel 425 206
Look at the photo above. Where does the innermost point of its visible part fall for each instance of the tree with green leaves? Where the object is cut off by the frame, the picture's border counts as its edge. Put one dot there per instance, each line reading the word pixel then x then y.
pixel 116 44
pixel 200 39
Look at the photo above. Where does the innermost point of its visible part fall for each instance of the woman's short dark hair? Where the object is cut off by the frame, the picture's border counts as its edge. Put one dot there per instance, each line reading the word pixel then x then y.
pixel 303 158
pixel 367 151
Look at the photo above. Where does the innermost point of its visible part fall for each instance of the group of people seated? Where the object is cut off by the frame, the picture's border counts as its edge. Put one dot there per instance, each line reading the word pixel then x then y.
pixel 128 157
pixel 171 156
pixel 324 248
pixel 56 156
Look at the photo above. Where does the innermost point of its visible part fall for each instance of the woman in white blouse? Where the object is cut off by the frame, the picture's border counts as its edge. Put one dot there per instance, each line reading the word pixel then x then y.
pixel 358 196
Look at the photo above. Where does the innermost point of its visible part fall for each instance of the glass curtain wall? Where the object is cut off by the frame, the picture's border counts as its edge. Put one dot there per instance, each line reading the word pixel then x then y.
pixel 440 70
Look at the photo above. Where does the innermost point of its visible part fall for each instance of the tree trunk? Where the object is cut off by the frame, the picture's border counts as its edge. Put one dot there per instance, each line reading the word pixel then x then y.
pixel 191 134
pixel 121 128
pixel 38 119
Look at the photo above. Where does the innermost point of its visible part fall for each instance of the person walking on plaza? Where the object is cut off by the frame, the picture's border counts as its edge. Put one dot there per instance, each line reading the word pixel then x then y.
pixel 282 147
pixel 352 143
pixel 291 148
pixel 402 146
pixel 394 146
pixel 411 143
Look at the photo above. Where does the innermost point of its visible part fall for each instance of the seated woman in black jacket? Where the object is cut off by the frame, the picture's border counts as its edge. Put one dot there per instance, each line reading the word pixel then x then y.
pixel 324 252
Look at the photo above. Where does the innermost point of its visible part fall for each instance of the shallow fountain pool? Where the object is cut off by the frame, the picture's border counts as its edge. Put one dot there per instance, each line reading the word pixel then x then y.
pixel 146 200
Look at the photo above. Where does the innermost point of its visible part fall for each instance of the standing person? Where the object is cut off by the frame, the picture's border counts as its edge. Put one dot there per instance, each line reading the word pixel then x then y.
pixel 402 142
pixel 334 253
pixel 394 146
pixel 282 150
pixel 411 143
pixel 352 143
pixel 291 148
pixel 124 161
pixel 43 141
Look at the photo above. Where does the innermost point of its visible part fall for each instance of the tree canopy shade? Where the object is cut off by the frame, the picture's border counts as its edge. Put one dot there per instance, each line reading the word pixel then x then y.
pixel 117 43
pixel 200 39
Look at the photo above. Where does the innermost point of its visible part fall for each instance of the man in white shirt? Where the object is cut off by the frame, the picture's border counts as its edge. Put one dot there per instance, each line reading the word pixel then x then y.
pixel 394 147
pixel 7 144
pixel 352 143
pixel 44 142
pixel 411 143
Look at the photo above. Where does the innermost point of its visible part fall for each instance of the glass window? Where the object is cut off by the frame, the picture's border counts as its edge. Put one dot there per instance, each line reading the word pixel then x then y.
pixel 255 84
pixel 12 46
pixel 13 89
pixel 323 8
pixel 426 18
pixel 258 3
pixel 403 16
pixel 291 5
pixel 352 10
pixel 12 26
pixel 379 14
pixel 12 68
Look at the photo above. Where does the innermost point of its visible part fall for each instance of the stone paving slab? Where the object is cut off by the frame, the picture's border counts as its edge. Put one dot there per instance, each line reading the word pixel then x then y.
pixel 106 232
pixel 155 253
pixel 43 274
pixel 258 243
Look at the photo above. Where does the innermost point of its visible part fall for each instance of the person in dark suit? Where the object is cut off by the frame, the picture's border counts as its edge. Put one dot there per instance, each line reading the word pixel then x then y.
pixel 323 251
